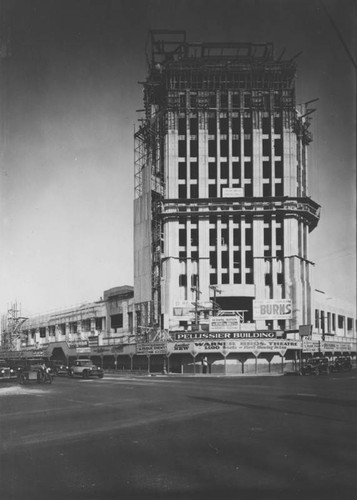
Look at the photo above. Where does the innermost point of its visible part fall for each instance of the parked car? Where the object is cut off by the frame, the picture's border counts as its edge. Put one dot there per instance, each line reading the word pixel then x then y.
pixel 6 372
pixel 316 366
pixel 86 369
pixel 341 364
pixel 59 367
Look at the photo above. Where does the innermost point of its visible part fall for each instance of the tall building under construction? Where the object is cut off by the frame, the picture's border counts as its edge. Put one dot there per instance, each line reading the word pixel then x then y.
pixel 222 212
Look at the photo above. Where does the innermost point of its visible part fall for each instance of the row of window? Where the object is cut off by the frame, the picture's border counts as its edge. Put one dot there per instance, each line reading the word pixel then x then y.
pixel 221 171
pixel 326 322
pixel 222 125
pixel 269 148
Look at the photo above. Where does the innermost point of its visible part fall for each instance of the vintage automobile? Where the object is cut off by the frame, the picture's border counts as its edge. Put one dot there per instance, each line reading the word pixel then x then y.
pixel 59 367
pixel 316 366
pixel 6 372
pixel 39 373
pixel 86 369
pixel 341 364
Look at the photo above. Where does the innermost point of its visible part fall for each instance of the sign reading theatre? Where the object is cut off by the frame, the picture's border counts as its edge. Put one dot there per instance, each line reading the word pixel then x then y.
pixel 272 309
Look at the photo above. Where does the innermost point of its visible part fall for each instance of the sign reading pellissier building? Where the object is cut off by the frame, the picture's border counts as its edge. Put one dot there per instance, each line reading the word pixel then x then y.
pixel 272 309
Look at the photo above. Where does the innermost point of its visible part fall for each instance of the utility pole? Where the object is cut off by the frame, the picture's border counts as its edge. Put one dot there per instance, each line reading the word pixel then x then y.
pixel 215 291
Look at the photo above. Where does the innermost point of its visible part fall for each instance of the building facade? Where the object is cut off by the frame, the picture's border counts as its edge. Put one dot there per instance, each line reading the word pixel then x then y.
pixel 222 213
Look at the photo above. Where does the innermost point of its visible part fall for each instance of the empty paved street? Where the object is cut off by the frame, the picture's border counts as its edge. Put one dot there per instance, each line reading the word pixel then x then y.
pixel 180 437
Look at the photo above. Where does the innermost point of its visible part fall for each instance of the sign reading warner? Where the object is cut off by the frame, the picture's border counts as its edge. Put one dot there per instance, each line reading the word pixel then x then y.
pixel 272 309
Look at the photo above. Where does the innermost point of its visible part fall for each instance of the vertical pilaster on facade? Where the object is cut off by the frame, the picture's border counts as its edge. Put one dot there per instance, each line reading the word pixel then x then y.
pixel 257 157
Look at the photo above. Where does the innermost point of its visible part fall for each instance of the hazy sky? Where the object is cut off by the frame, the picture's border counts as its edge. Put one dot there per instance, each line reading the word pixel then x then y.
pixel 70 93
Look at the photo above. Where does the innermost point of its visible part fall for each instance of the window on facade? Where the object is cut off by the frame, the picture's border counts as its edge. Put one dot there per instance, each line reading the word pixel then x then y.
pixel 182 170
pixel 212 191
pixel 194 191
pixel 182 237
pixel 266 169
pixel 249 236
pixel 194 279
pixel 248 170
pixel 248 190
pixel 73 327
pixel 247 101
pixel 182 148
pixel 193 100
pixel 223 125
pixel 236 236
pixel 266 125
pixel 279 169
pixel 52 330
pixel 194 237
pixel 340 321
pixel 248 147
pixel 279 191
pixel 225 260
pixel 182 191
pixel 266 190
pixel 237 278
pixel 268 279
pixel 235 126
pixel 182 280
pixel 225 279
pixel 193 126
pixel 224 236
pixel 42 332
pixel 212 236
pixel 249 278
pixel 213 259
pixel 280 278
pixel 236 100
pixel 247 125
pixel 317 320
pixel 62 328
pixel 194 170
pixel 278 147
pixel 235 148
pixel 224 170
pixel 236 260
pixel 224 147
pixel 213 279
pixel 194 149
pixel 249 259
pixel 212 100
pixel 182 126
pixel 266 147
pixel 212 148
pixel 278 125
pixel 212 171
pixel 212 126
pixel 236 170
pixel 99 322
pixel 116 321
pixel 224 100
pixel 194 256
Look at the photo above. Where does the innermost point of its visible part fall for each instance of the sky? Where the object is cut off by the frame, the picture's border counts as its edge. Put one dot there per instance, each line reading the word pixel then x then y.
pixel 70 94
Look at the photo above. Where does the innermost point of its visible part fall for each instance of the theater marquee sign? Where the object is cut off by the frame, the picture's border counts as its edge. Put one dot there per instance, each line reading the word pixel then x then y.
pixel 225 347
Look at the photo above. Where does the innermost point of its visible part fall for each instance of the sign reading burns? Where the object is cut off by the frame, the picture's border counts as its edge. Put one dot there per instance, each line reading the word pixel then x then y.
pixel 272 309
